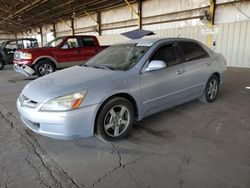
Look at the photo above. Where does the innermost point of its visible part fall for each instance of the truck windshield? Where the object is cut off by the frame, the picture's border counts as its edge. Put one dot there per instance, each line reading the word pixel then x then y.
pixel 55 42
pixel 118 57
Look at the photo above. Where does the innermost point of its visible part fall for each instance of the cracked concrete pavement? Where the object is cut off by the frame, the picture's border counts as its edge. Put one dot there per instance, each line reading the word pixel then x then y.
pixel 192 145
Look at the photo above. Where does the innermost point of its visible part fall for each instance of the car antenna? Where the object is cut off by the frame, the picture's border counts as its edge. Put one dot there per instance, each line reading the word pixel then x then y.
pixel 179 35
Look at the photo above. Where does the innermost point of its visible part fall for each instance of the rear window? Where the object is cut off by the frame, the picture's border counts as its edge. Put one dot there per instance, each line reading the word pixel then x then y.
pixel 193 51
pixel 88 42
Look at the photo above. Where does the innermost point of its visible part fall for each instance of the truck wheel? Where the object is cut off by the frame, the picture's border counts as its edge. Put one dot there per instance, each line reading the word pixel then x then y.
pixel 1 64
pixel 44 67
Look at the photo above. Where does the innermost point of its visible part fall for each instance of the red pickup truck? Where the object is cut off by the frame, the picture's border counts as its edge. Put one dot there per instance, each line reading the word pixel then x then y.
pixel 59 53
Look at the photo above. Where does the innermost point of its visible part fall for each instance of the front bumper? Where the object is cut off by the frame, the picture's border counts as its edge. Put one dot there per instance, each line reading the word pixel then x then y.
pixel 24 69
pixel 60 125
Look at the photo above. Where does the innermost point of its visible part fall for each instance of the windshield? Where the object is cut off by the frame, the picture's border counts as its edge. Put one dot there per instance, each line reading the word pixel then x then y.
pixel 28 44
pixel 118 57
pixel 55 42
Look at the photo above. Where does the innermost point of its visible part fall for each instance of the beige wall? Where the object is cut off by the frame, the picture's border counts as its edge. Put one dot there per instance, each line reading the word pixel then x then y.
pixel 4 36
pixel 229 21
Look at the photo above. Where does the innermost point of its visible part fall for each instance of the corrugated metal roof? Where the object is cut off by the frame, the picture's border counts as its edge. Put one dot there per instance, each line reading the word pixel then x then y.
pixel 26 14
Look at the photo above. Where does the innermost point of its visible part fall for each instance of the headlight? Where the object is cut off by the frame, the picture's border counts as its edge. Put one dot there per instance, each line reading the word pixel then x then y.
pixel 67 102
pixel 25 56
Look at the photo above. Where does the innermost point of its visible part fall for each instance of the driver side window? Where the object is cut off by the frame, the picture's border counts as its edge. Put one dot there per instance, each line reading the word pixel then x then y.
pixel 70 43
pixel 167 54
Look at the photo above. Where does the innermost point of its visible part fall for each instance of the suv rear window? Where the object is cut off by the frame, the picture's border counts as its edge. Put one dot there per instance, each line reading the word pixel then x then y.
pixel 88 41
pixel 193 51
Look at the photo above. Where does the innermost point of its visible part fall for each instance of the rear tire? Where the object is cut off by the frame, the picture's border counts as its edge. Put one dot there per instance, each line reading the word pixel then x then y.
pixel 115 120
pixel 2 64
pixel 44 67
pixel 211 90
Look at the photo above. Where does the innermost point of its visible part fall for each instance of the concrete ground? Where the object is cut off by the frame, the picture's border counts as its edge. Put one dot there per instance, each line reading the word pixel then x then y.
pixel 192 145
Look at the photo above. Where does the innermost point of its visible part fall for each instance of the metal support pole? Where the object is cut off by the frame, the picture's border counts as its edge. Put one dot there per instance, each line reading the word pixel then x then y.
pixel 212 11
pixel 138 14
pixel 73 26
pixel 41 33
pixel 54 30
pixel 99 23
pixel 211 22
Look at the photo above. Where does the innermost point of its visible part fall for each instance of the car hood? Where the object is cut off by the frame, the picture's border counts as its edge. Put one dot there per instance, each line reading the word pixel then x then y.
pixel 67 81
pixel 31 50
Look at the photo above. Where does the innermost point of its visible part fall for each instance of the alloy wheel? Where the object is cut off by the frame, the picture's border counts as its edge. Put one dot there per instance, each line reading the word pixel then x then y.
pixel 212 89
pixel 117 120
pixel 45 69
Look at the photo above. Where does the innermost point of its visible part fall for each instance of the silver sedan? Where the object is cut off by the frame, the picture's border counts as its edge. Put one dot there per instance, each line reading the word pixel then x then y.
pixel 124 83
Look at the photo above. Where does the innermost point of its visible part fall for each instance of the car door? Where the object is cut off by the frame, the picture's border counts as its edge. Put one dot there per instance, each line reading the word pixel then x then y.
pixel 163 88
pixel 70 53
pixel 9 51
pixel 89 48
pixel 196 62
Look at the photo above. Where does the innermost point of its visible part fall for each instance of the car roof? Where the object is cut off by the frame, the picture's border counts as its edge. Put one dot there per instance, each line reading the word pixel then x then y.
pixel 154 40
pixel 73 36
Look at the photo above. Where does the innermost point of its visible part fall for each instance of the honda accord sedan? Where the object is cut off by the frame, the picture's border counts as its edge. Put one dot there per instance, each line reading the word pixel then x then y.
pixel 124 83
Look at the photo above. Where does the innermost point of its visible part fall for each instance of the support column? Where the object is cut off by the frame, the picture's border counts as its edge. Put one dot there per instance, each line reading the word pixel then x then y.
pixel 41 33
pixel 99 23
pixel 73 26
pixel 211 23
pixel 139 14
pixel 54 30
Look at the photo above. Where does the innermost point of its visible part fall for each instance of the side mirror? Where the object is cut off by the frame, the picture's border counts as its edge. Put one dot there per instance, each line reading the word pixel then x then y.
pixel 155 65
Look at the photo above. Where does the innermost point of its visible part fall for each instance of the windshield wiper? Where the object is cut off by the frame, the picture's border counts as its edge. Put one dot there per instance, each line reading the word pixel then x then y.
pixel 103 67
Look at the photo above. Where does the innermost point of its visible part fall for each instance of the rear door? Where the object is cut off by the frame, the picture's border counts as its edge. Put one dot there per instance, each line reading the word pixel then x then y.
pixel 89 47
pixel 163 88
pixel 196 62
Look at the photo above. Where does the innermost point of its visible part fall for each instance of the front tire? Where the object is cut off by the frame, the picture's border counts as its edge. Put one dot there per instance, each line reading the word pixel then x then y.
pixel 115 120
pixel 44 67
pixel 2 64
pixel 211 90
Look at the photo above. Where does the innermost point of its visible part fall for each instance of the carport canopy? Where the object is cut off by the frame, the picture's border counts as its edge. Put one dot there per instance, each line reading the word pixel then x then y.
pixel 21 15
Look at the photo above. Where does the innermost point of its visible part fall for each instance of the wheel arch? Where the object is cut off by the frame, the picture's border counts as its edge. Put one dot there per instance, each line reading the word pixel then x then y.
pixel 51 59
pixel 218 75
pixel 127 96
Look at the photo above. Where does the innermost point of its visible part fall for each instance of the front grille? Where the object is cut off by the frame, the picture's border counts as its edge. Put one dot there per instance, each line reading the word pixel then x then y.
pixel 17 55
pixel 25 101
